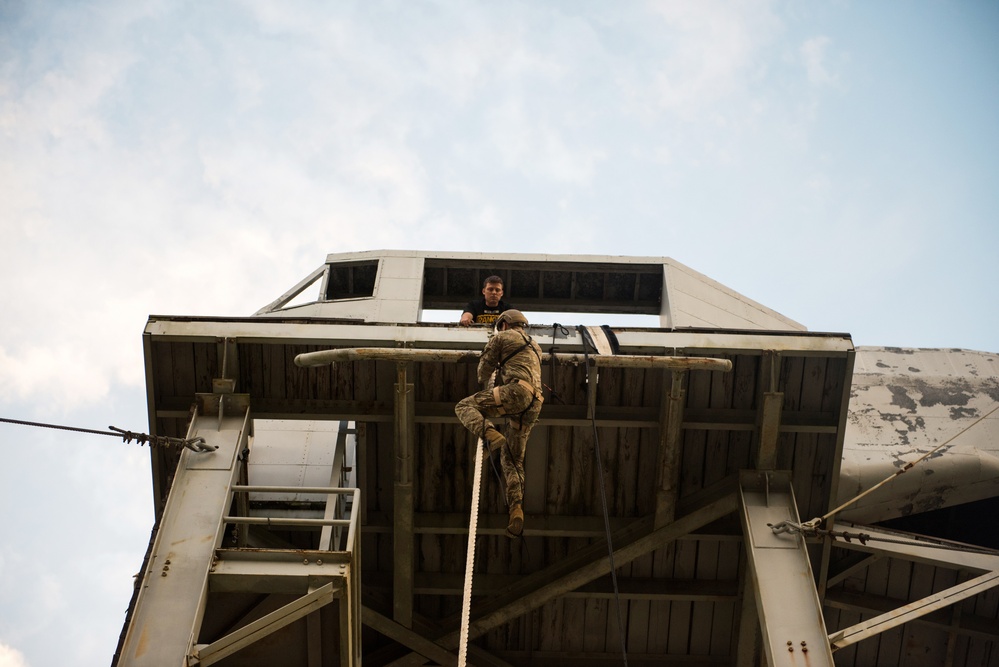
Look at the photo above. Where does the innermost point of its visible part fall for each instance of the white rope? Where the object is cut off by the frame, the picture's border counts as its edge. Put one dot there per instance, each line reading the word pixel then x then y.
pixel 466 601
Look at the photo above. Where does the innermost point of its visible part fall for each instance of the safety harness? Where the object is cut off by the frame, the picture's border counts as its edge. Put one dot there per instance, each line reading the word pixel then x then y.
pixel 500 381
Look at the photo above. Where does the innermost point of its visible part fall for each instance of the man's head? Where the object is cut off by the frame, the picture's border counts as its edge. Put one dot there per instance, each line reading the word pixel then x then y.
pixel 492 290
pixel 509 319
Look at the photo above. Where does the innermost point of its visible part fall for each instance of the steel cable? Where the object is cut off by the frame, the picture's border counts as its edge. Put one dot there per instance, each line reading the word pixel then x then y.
pixel 194 444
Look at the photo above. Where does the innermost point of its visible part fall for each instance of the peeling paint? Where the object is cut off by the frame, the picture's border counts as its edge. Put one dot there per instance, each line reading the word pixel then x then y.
pixel 953 395
pixel 900 397
pixel 899 412
pixel 963 413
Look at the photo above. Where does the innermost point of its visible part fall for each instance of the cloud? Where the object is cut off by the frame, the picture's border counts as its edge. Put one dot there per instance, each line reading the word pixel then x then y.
pixel 714 52
pixel 815 58
pixel 11 657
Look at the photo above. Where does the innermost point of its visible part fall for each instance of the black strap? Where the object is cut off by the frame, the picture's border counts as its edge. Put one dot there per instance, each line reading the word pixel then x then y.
pixel 527 343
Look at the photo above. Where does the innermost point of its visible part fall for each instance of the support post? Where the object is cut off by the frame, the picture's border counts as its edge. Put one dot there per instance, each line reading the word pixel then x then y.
pixel 403 537
pixel 171 603
pixel 670 443
pixel 768 426
pixel 790 613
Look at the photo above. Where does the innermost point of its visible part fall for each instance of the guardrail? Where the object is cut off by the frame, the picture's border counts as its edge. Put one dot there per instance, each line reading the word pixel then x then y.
pixel 330 491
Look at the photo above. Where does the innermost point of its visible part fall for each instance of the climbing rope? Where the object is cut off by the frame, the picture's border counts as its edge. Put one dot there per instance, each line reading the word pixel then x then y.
pixel 194 444
pixel 466 599
pixel 603 502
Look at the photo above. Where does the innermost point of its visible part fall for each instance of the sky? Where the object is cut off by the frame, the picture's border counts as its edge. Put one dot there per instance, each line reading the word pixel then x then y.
pixel 834 160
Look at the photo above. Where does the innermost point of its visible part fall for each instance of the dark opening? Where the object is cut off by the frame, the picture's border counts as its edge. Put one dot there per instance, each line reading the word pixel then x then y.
pixel 350 281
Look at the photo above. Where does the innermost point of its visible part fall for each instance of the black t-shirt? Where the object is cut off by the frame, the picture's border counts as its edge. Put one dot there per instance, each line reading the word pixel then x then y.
pixel 483 314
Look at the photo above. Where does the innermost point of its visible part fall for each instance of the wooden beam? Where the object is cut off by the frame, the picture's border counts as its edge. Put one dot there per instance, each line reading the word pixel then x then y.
pixel 402 520
pixel 768 414
pixel 853 563
pixel 595 568
pixel 403 635
pixel 629 588
pixel 670 445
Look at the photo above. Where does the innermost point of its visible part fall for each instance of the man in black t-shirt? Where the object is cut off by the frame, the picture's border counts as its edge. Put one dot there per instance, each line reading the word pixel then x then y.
pixel 489 307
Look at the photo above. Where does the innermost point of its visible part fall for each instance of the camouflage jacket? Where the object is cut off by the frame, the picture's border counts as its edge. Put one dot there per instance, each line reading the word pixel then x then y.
pixel 523 365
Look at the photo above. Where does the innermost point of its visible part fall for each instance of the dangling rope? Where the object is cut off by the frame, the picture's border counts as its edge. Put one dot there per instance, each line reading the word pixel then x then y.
pixel 473 523
pixel 603 503
pixel 194 444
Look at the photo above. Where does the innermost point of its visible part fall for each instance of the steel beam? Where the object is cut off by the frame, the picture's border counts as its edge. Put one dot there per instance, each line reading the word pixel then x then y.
pixel 791 622
pixel 171 602
pixel 978 627
pixel 208 654
pixel 913 610
pixel 918 549
pixel 748 640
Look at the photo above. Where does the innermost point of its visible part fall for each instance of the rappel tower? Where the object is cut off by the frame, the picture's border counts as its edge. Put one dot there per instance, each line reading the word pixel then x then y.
pixel 320 516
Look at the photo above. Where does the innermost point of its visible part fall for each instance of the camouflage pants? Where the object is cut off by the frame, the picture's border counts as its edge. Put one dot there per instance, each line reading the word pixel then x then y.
pixel 521 409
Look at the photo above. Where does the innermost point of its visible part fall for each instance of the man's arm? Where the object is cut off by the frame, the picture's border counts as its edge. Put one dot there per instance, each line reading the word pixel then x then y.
pixel 489 360
pixel 468 315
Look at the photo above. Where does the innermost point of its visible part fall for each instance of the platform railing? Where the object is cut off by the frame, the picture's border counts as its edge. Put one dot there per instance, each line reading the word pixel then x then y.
pixel 332 494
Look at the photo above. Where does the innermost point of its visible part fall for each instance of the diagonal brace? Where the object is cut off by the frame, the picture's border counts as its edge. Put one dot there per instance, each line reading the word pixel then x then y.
pixel 600 566
pixel 913 610
pixel 207 654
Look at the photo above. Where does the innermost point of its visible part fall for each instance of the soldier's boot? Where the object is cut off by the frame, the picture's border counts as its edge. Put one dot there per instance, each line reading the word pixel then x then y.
pixel 495 440
pixel 516 525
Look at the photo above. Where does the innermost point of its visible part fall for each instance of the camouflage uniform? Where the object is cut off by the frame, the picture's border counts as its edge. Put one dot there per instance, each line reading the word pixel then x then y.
pixel 517 395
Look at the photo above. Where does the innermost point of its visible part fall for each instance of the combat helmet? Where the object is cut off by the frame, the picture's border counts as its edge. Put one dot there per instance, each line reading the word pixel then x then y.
pixel 512 317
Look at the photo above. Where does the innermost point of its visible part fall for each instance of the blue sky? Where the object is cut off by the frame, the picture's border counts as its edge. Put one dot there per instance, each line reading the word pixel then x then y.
pixel 835 161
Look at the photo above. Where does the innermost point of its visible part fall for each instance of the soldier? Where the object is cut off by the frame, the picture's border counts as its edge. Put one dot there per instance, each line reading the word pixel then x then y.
pixel 516 395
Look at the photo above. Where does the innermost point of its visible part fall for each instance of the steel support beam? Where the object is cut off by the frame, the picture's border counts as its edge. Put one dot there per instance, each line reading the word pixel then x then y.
pixel 331 537
pixel 208 654
pixel 788 605
pixel 913 610
pixel 171 602
pixel 897 544
pixel 746 649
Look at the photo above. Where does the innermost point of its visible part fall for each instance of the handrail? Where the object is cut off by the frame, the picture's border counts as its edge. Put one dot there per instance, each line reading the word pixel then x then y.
pixel 330 491
pixel 323 357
